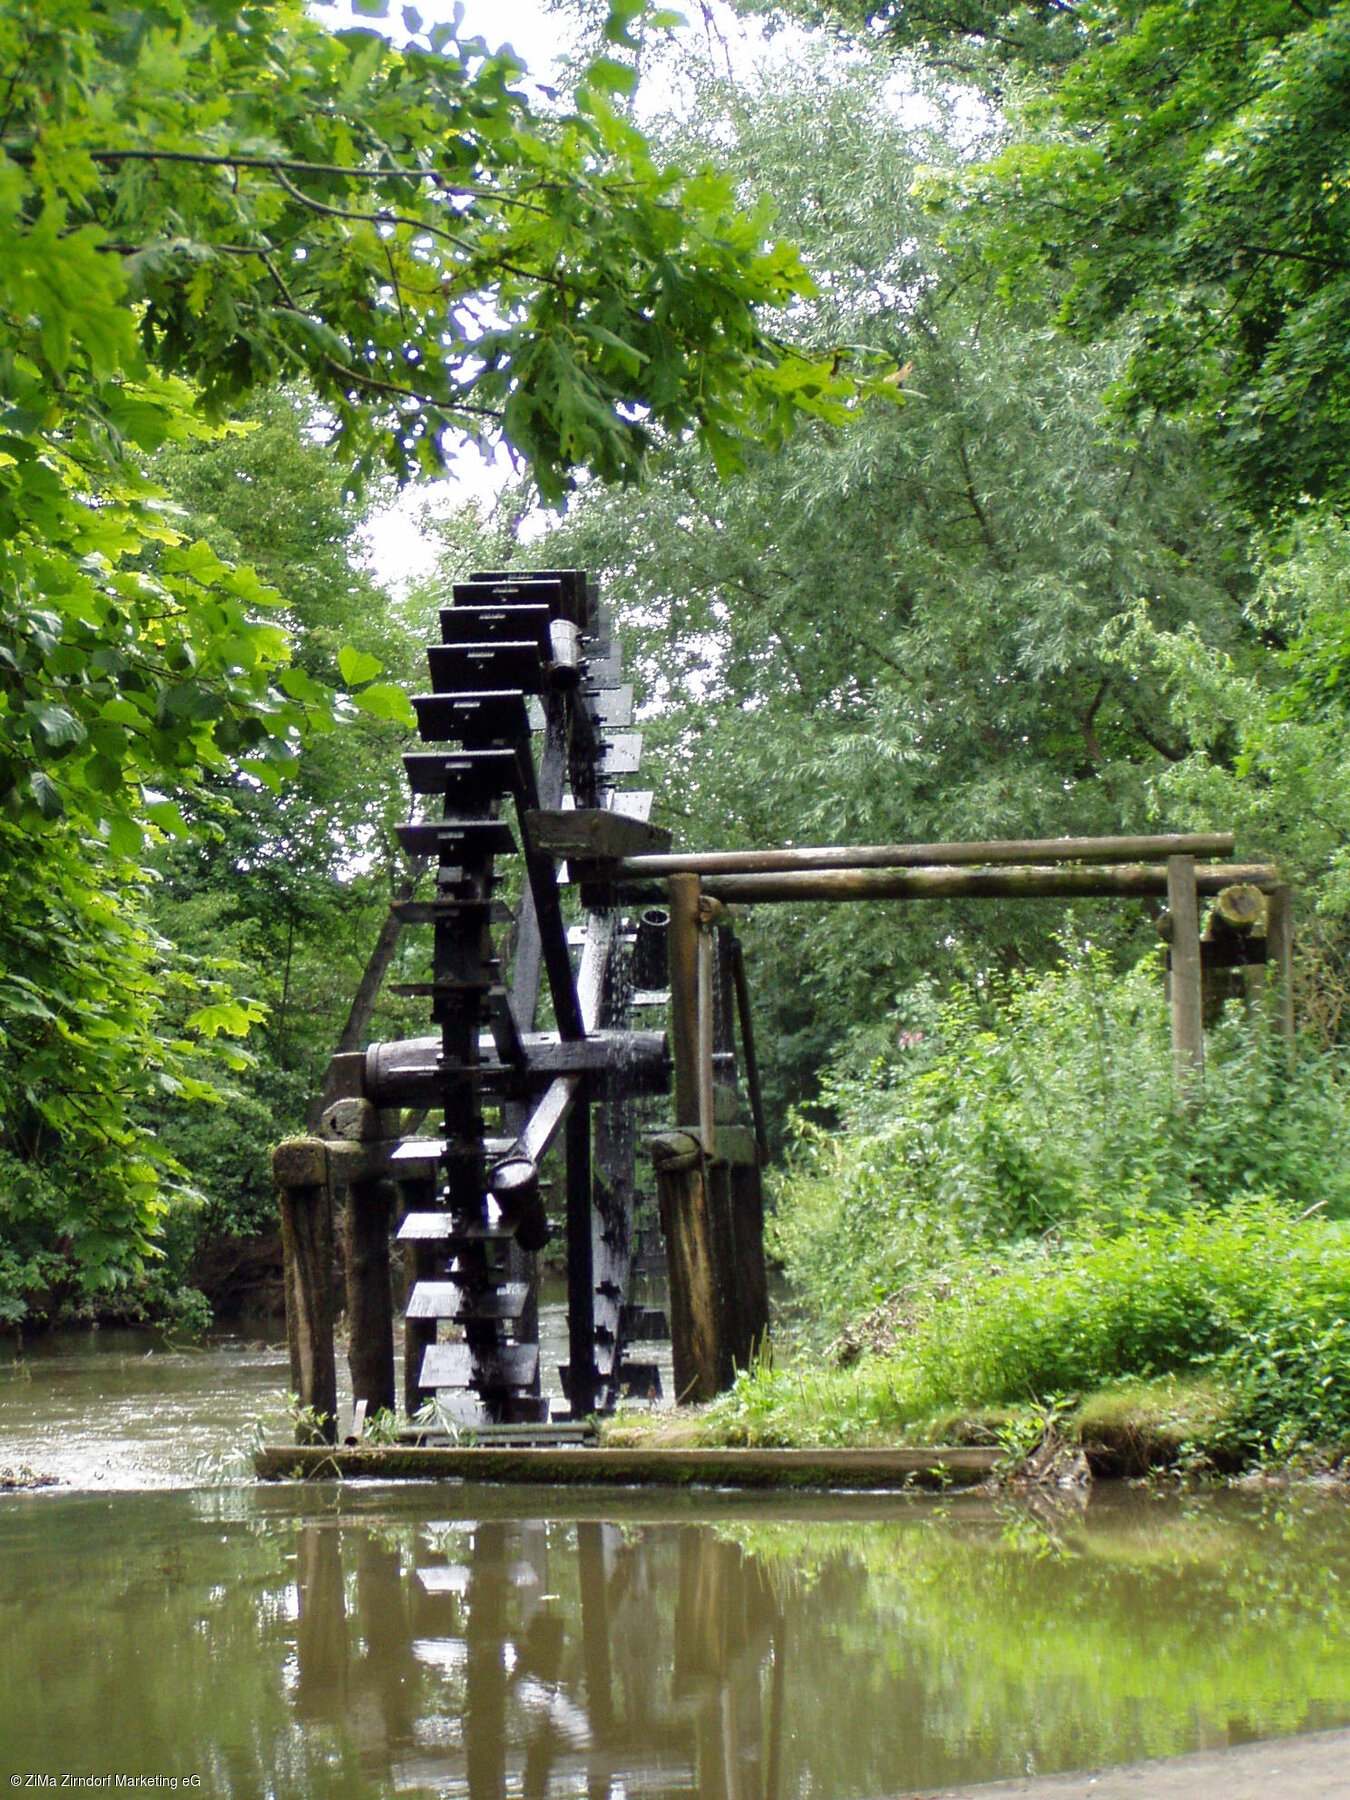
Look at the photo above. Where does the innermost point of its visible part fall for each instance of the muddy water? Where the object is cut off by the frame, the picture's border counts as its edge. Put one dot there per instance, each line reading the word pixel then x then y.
pixel 440 1639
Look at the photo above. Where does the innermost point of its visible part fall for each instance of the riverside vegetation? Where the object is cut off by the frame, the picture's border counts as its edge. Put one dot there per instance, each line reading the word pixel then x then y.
pixel 1010 1226
pixel 1078 563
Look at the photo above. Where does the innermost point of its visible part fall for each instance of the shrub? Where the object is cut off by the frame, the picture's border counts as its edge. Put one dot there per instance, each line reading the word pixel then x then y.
pixel 1039 1108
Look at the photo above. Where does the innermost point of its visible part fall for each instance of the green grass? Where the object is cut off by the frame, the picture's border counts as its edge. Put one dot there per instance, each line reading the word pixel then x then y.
pixel 1249 1304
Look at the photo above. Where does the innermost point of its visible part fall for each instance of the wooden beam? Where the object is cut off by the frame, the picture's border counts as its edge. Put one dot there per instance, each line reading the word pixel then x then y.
pixel 300 1170
pixel 1188 1037
pixel 906 856
pixel 952 882
pixel 682 939
pixel 1280 959
pixel 748 1054
pixel 580 1265
pixel 591 833
pixel 370 1302
pixel 412 1072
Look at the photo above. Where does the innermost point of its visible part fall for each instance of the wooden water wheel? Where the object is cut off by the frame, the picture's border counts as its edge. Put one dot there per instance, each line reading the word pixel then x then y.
pixel 528 752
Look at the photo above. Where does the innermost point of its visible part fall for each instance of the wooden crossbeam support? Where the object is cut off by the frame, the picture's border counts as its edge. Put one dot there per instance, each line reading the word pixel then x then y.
pixel 952 882
pixel 1206 845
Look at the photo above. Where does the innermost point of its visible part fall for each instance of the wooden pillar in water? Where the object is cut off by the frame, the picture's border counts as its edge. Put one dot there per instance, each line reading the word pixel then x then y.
pixel 370 1300
pixel 1280 959
pixel 681 1171
pixel 580 1260
pixel 300 1170
pixel 1188 1038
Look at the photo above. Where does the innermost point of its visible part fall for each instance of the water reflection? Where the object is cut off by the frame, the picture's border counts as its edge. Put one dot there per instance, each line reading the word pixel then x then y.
pixel 526 1658
pixel 369 1642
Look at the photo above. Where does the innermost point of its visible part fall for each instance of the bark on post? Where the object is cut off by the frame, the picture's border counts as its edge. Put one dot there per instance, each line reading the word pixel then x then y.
pixel 1188 1039
pixel 300 1170
pixel 1280 959
pixel 370 1300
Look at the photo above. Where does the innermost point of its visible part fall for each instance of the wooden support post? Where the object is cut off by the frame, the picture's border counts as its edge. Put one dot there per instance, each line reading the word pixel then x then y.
pixel 707 1105
pixel 682 938
pixel 748 1050
pixel 1188 1038
pixel 370 1301
pixel 580 1261
pixel 687 1226
pixel 681 1170
pixel 300 1170
pixel 752 1278
pixel 1280 959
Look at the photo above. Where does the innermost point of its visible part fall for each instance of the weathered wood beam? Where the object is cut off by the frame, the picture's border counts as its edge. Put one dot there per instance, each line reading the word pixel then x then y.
pixel 951 882
pixel 1188 1036
pixel 1280 959
pixel 300 1170
pixel 412 1072
pixel 905 856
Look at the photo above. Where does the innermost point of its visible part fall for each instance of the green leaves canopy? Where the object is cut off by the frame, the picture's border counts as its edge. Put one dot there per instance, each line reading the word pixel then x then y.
pixel 1186 174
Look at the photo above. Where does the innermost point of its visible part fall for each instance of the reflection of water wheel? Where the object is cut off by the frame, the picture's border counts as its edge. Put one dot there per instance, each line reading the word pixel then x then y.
pixel 525 661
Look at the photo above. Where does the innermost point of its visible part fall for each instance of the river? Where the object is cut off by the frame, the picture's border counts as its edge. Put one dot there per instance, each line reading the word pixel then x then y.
pixel 161 1617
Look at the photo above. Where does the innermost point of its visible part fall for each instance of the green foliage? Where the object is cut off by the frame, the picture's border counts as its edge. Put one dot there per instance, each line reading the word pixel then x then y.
pixel 1249 1294
pixel 904 631
pixel 1182 172
pixel 1042 1107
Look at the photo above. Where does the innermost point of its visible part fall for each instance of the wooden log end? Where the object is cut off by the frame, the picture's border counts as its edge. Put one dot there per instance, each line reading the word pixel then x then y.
pixel 300 1162
pixel 352 1121
pixel 1235 911
pixel 674 1149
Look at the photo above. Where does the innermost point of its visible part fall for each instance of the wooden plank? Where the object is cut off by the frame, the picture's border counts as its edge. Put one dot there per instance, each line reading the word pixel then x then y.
pixel 479 624
pixel 413 1071
pixel 939 1465
pixel 632 803
pixel 448 1300
pixel 612 706
pixel 621 754
pixel 505 663
pixel 457 840
pixel 466 778
pixel 473 719
pixel 442 1228
pixel 591 833
pixel 459 1366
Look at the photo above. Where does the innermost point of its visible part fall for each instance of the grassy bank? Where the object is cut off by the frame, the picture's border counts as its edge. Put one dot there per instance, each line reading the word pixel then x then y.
pixel 1012 1226
pixel 1221 1338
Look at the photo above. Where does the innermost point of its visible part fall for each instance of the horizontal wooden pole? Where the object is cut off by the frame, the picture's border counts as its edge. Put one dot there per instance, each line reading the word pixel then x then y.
pixel 411 1072
pixel 916 856
pixel 1047 881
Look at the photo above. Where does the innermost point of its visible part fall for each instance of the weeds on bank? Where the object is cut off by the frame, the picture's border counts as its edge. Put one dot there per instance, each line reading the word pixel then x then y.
pixel 1250 1299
